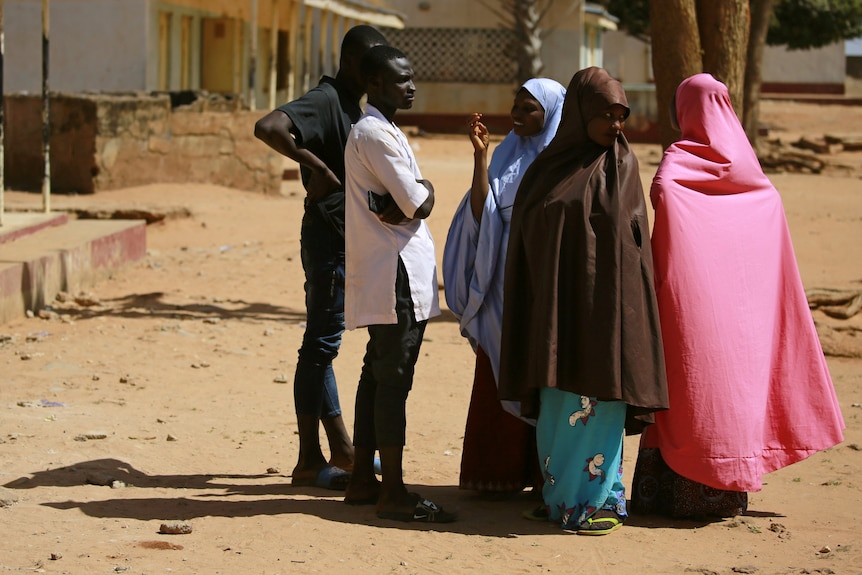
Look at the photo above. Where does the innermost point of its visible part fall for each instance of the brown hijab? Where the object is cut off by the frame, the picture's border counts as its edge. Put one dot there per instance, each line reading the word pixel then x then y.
pixel 579 310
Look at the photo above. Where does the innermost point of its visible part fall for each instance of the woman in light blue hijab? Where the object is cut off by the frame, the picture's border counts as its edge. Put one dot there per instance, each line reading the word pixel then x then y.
pixel 499 447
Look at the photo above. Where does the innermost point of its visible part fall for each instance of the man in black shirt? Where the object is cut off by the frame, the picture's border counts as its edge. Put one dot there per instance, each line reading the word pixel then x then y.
pixel 312 130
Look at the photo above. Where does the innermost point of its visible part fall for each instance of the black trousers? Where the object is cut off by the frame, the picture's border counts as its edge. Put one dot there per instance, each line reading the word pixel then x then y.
pixel 387 374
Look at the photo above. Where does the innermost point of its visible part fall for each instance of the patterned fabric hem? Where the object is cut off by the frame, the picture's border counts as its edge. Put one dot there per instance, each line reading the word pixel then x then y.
pixel 658 490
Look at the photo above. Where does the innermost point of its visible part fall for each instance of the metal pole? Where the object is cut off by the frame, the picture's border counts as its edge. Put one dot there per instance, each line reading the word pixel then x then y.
pixel 46 114
pixel 293 51
pixel 273 55
pixel 2 124
pixel 335 34
pixel 306 49
pixel 252 57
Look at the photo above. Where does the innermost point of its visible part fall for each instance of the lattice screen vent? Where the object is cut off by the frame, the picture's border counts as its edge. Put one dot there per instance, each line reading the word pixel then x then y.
pixel 473 55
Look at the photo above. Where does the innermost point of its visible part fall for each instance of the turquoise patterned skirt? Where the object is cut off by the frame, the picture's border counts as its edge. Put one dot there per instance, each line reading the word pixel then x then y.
pixel 580 445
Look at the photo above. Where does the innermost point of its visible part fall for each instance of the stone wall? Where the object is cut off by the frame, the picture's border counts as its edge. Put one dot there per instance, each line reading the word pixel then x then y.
pixel 109 141
pixel 73 138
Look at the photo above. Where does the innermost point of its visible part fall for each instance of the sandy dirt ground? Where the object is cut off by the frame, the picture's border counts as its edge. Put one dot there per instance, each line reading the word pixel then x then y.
pixel 165 395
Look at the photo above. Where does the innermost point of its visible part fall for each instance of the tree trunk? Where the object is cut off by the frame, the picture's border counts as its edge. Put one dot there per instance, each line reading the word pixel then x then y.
pixel 761 13
pixel 723 26
pixel 676 55
pixel 527 19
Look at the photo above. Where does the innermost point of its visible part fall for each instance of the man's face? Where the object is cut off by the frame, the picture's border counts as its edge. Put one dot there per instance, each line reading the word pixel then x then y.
pixel 395 83
pixel 350 64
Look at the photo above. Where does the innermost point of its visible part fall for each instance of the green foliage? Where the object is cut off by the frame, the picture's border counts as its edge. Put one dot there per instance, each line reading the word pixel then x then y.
pixel 633 15
pixel 797 24
pixel 803 24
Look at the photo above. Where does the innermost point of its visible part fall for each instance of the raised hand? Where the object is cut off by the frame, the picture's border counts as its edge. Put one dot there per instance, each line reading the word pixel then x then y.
pixel 479 135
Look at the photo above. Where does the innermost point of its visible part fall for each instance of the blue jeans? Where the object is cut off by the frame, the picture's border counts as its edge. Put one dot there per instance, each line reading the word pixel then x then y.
pixel 314 387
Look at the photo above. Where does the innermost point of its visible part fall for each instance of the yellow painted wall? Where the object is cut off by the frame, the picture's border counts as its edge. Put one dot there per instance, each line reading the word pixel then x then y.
pixel 242 9
pixel 220 42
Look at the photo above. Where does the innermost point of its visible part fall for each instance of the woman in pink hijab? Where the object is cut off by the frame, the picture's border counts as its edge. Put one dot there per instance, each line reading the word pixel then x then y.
pixel 748 383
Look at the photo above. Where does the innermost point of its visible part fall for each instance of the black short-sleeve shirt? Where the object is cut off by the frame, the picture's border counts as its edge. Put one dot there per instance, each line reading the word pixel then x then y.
pixel 322 119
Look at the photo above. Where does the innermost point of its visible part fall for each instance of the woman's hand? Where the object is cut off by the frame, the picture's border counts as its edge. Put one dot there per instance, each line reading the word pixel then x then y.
pixel 480 138
pixel 479 135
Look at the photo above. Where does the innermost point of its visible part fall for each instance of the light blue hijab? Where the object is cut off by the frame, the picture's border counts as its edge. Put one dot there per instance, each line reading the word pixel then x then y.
pixel 475 254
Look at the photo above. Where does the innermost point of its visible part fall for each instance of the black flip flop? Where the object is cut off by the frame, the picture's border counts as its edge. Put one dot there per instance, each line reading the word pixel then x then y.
pixel 425 512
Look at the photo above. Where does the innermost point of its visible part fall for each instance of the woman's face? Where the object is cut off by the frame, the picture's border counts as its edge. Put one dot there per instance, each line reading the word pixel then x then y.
pixel 528 115
pixel 606 127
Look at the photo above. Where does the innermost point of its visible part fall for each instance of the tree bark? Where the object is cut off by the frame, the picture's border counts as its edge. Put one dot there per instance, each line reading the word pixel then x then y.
pixel 527 18
pixel 676 55
pixel 761 13
pixel 723 26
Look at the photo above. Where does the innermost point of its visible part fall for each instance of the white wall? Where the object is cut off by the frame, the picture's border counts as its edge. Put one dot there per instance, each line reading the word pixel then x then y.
pixel 444 14
pixel 560 52
pixel 445 98
pixel 629 60
pixel 821 66
pixel 94 45
pixel 561 55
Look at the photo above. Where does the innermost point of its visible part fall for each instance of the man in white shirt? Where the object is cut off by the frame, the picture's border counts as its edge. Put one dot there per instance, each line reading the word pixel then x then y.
pixel 390 283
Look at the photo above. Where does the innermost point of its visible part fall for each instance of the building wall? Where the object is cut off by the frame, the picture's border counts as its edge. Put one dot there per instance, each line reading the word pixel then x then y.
pixel 94 45
pixel 806 71
pixel 560 55
pixel 444 14
pixel 628 59
pixel 230 8
pixel 229 62
pixel 215 63
pixel 73 137
pixel 121 45
pixel 109 141
pixel 176 14
pixel 821 70
pixel 210 141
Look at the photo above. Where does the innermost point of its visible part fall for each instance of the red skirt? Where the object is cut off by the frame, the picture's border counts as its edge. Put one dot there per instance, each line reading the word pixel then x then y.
pixel 499 449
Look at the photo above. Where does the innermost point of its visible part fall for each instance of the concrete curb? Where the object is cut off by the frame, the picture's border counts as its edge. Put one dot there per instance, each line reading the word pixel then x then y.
pixel 69 258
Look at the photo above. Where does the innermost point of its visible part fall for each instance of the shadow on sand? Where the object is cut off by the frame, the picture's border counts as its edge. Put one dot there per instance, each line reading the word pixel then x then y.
pixel 227 495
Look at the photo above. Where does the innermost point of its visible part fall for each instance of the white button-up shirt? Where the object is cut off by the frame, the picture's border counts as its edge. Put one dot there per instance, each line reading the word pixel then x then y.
pixel 378 158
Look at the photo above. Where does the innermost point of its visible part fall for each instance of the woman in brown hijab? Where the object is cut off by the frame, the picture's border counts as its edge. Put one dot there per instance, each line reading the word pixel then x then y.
pixel 581 346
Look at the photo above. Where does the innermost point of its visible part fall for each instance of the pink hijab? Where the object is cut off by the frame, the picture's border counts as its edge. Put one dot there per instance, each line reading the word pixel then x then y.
pixel 713 154
pixel 748 383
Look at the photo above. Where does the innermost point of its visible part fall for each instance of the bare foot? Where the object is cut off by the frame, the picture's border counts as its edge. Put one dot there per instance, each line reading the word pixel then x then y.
pixel 398 503
pixel 342 461
pixel 362 492
pixel 305 470
pixel 327 477
pixel 340 445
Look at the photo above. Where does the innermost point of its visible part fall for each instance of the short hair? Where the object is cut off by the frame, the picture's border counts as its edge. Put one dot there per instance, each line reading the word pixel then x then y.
pixel 377 58
pixel 360 38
